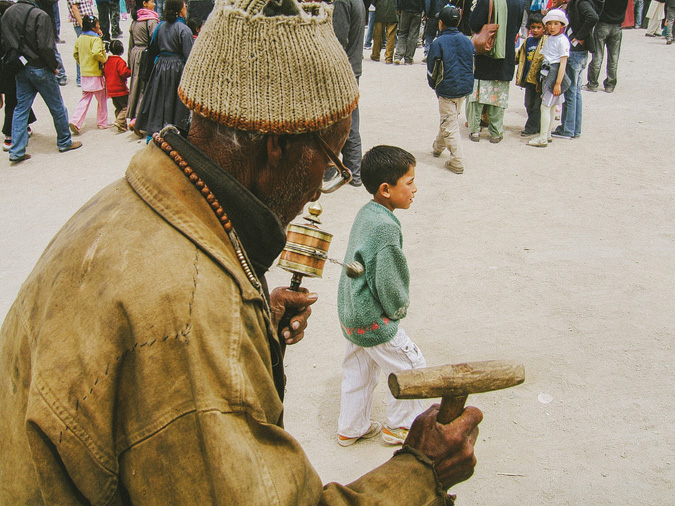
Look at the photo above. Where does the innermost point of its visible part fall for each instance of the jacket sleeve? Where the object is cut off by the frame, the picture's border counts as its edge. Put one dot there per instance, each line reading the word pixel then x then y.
pixel 186 42
pixel 390 281
pixel 588 20
pixel 123 70
pixel 341 22
pixel 433 56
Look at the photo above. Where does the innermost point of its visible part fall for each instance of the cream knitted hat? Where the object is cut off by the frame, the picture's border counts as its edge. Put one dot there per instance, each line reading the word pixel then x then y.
pixel 269 66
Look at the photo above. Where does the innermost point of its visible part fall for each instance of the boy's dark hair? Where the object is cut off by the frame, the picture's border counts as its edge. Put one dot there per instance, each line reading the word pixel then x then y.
pixel 534 17
pixel 384 164
pixel 195 25
pixel 88 23
pixel 450 16
pixel 116 47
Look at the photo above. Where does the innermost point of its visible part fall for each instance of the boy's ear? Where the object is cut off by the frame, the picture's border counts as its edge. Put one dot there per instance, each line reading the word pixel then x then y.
pixel 384 190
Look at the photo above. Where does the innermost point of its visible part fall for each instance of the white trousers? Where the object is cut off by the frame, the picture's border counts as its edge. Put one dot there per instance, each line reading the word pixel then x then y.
pixel 361 371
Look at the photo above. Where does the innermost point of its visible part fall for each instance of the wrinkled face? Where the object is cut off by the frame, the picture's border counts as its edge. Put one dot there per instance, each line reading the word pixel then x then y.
pixel 296 180
pixel 554 27
pixel 401 195
pixel 537 30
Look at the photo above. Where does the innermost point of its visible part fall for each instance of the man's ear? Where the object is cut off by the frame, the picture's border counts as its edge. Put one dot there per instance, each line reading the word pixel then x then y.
pixel 274 151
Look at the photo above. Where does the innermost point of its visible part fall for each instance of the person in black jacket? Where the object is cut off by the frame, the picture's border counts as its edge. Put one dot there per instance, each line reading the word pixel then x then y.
pixel 582 18
pixel 493 73
pixel 608 34
pixel 37 76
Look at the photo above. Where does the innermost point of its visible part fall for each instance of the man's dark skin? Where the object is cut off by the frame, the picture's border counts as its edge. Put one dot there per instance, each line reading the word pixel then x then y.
pixel 268 165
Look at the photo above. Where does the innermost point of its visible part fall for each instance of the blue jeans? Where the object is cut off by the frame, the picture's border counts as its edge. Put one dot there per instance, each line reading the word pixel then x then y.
pixel 610 36
pixel 78 32
pixel 371 27
pixel 571 114
pixel 29 82
pixel 638 5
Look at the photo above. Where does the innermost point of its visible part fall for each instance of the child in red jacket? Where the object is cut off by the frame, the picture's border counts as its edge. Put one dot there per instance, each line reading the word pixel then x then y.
pixel 116 75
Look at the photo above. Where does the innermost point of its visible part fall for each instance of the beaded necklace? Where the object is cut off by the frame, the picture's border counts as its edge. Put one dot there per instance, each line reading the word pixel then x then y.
pixel 211 199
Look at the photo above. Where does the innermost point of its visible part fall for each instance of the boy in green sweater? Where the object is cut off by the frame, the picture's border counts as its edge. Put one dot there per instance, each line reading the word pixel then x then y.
pixel 371 306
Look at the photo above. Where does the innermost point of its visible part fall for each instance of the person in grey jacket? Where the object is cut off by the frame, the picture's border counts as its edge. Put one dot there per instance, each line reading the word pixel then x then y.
pixel 409 22
pixel 37 76
pixel 349 19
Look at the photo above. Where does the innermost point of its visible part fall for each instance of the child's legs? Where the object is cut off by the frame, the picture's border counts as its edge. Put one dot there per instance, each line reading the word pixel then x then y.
pixel 532 106
pixel 102 109
pixel 120 104
pixel 81 109
pixel 359 379
pixel 399 354
pixel 546 122
pixel 448 134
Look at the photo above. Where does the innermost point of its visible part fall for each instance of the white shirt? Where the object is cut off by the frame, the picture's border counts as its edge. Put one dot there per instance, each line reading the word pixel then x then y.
pixel 555 48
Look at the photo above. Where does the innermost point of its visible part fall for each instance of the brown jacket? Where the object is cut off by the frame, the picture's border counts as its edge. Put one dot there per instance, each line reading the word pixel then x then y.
pixel 532 76
pixel 135 368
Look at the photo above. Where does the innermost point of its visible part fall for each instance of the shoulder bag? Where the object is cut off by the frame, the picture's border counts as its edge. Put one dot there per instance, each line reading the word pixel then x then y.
pixel 484 40
pixel 13 60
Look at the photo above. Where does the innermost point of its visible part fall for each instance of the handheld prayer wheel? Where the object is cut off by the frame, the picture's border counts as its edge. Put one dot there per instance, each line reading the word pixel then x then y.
pixel 306 249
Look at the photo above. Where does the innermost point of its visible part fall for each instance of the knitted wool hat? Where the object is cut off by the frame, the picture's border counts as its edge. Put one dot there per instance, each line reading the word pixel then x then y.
pixel 269 66
pixel 556 15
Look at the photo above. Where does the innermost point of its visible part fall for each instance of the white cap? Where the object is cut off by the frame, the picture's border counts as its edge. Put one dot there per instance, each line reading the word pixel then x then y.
pixel 556 15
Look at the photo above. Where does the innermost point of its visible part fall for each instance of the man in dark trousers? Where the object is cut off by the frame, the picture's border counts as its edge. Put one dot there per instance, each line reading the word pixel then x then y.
pixel 607 34
pixel 582 18
pixel 349 19
pixel 409 22
pixel 37 76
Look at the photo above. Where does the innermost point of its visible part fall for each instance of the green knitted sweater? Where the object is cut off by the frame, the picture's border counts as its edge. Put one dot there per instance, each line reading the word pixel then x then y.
pixel 370 307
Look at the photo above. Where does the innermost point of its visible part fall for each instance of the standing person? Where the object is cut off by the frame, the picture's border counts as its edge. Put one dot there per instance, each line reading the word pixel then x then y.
pixel 349 17
pixel 142 360
pixel 494 72
pixel 161 105
pixel 371 306
pixel 8 93
pixel 452 81
pixel 145 20
pixel 371 26
pixel 91 57
pixel 431 10
pixel 37 76
pixel 409 22
pixel 116 75
pixel 655 14
pixel 582 19
pixel 670 18
pixel 529 63
pixel 77 9
pixel 607 34
pixel 109 17
pixel 555 82
pixel 386 25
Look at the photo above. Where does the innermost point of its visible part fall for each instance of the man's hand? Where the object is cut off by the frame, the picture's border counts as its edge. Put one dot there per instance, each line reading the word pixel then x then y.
pixel 449 446
pixel 295 306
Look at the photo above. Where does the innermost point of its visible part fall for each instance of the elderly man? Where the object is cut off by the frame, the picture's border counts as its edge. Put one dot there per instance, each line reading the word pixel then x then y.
pixel 142 359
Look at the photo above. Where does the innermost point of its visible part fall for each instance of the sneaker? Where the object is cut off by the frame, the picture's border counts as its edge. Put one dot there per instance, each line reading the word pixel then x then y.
pixel 496 139
pixel 23 157
pixel 588 87
pixel 609 89
pixel 374 430
pixel 538 142
pixel 454 168
pixel 29 130
pixel 436 154
pixel 356 183
pixel 63 81
pixel 60 41
pixel 560 136
pixel 394 436
pixel 368 48
pixel 74 145
pixel 7 144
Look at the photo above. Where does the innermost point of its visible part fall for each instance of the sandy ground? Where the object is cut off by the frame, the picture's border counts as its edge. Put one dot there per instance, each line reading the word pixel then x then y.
pixel 560 257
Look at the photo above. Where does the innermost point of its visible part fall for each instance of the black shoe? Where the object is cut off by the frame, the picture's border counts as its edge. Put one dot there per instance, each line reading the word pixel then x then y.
pixel 356 183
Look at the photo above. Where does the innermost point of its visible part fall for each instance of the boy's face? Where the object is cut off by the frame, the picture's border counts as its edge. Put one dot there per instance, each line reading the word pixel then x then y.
pixel 554 27
pixel 537 30
pixel 402 193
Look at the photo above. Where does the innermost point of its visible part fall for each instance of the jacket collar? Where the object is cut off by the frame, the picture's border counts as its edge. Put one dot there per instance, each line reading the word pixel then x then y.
pixel 163 186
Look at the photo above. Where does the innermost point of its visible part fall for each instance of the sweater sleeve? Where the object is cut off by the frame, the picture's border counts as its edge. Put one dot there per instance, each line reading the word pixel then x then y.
pixel 97 50
pixel 390 281
pixel 341 22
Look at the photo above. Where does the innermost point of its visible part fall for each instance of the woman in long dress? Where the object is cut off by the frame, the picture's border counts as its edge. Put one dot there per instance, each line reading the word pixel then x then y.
pixel 145 20
pixel 160 105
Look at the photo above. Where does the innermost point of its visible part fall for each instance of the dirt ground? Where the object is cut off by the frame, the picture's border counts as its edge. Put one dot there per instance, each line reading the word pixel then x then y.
pixel 561 258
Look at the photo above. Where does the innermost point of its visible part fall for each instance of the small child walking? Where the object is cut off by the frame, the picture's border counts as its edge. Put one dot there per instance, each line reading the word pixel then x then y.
pixel 450 74
pixel 90 55
pixel 116 75
pixel 555 82
pixel 370 307
pixel 529 63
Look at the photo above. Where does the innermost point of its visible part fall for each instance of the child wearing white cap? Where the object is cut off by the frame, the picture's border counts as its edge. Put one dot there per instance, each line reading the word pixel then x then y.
pixel 555 82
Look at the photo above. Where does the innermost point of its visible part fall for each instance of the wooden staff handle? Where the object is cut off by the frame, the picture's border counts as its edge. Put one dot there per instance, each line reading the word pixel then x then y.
pixel 451 408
